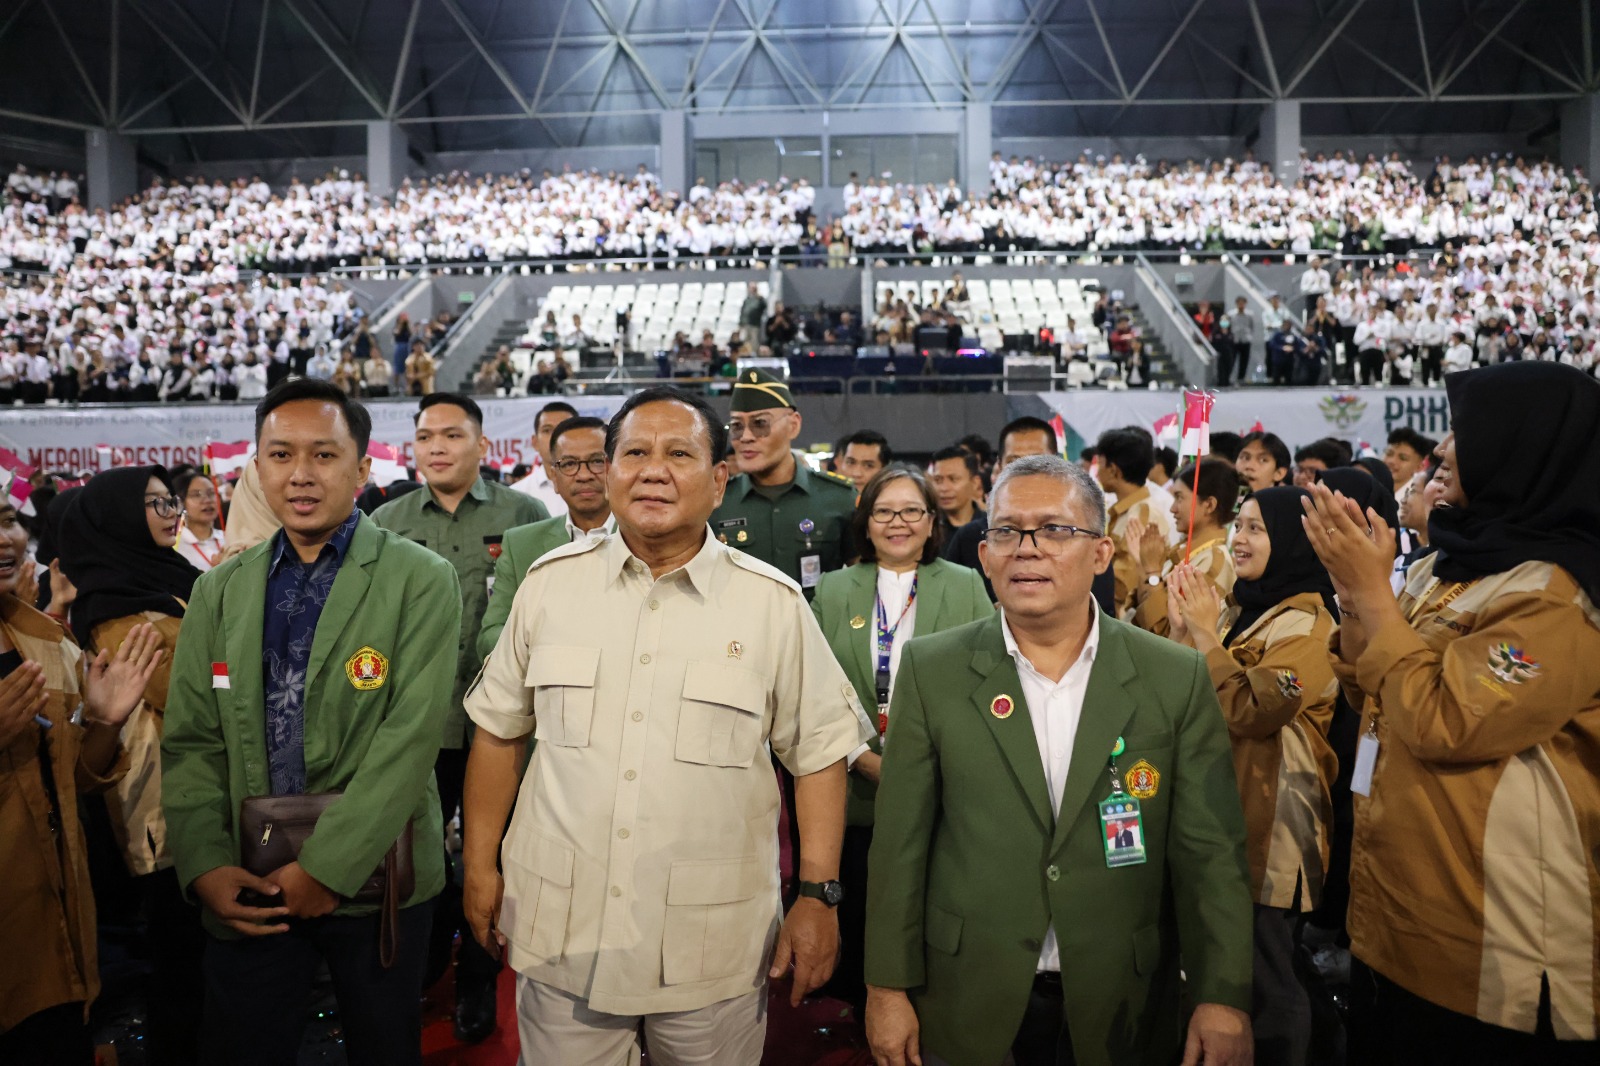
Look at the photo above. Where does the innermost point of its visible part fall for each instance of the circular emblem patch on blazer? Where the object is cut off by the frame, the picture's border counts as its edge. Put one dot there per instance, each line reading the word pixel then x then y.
pixel 367 669
pixel 1143 780
pixel 1001 707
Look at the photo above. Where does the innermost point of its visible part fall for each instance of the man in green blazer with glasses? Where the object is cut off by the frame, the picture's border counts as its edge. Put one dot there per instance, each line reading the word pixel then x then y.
pixel 1057 865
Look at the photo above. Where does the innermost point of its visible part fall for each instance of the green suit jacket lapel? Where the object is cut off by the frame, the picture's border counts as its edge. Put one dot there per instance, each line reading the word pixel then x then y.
pixel 343 600
pixel 1014 734
pixel 1107 707
pixel 862 603
pixel 930 598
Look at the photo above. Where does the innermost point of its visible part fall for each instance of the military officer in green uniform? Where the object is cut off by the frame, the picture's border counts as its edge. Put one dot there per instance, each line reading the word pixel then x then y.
pixel 777 509
pixel 578 468
pixel 462 517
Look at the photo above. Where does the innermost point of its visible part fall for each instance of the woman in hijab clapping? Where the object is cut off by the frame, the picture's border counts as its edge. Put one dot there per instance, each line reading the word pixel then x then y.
pixel 1268 658
pixel 1474 913
pixel 117 537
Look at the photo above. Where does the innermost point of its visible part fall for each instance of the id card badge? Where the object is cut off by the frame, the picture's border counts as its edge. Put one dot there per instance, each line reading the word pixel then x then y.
pixel 1366 761
pixel 490 583
pixel 810 571
pixel 1122 831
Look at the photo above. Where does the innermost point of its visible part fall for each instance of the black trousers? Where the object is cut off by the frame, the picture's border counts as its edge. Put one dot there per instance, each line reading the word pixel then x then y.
pixel 1392 1027
pixel 1042 1039
pixel 259 991
pixel 1371 366
pixel 474 966
pixel 849 982
pixel 176 942
pixel 1225 352
pixel 55 1036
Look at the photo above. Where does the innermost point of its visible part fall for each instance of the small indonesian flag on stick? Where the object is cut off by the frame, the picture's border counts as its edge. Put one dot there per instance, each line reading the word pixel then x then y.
pixel 18 489
pixel 387 467
pixel 1165 429
pixel 1059 427
pixel 1197 443
pixel 223 460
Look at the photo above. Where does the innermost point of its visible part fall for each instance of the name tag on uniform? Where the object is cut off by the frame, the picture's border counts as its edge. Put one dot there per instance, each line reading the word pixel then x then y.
pixel 810 570
pixel 1366 762
pixel 489 581
pixel 1122 831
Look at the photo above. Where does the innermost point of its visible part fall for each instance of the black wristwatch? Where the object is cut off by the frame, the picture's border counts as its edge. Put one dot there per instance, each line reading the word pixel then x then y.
pixel 829 892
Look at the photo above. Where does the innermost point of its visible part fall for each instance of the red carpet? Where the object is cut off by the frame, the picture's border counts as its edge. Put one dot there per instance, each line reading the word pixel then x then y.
pixel 821 1032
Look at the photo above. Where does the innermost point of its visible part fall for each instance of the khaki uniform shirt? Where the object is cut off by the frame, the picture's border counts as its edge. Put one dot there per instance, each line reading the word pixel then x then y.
pixel 1137 504
pixel 471 540
pixel 641 865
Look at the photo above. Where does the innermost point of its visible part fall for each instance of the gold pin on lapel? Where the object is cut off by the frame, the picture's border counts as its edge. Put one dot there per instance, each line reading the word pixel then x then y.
pixel 857 622
pixel 735 649
pixel 742 537
pixel 1001 707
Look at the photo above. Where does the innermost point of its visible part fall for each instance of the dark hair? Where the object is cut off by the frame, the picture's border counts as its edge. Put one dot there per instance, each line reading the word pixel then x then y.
pixel 1167 458
pixel 1226 445
pixel 356 417
pixel 580 422
pixel 1029 424
pixel 1414 440
pixel 955 451
pixel 1274 446
pixel 181 482
pixel 555 405
pixel 978 445
pixel 715 428
pixel 1130 451
pixel 862 518
pixel 1326 451
pixel 1220 481
pixel 1090 453
pixel 455 399
pixel 869 438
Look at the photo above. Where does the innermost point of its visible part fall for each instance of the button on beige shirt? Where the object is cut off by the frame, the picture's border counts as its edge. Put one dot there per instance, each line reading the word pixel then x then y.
pixel 641 866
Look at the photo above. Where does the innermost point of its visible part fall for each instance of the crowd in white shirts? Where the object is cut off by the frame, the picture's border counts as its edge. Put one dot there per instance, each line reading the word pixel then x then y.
pixel 115 294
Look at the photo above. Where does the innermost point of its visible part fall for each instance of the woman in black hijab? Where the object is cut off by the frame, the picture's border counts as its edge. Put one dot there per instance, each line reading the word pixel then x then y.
pixel 116 536
pixel 1276 687
pixel 1481 687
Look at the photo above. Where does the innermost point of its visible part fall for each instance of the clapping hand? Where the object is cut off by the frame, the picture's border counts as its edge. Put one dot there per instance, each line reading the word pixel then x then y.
pixel 1147 546
pixel 113 685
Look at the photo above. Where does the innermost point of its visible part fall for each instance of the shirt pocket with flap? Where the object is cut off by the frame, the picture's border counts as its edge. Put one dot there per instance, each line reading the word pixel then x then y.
pixel 720 919
pixel 721 719
pixel 539 911
pixel 563 681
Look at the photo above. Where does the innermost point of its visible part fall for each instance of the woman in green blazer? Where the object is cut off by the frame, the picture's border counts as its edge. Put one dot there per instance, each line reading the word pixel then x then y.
pixel 900 589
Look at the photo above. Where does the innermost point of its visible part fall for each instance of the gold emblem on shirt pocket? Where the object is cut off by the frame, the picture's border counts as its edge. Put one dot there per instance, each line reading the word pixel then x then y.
pixel 563 681
pixel 542 905
pixel 720 720
pixel 718 920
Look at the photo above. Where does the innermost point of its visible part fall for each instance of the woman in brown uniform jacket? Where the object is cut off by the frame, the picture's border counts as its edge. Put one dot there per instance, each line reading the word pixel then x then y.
pixel 1153 558
pixel 1475 873
pixel 116 538
pixel 48 756
pixel 1276 686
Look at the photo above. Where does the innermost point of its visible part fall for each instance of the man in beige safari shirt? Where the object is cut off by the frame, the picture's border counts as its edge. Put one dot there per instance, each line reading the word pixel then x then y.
pixel 640 878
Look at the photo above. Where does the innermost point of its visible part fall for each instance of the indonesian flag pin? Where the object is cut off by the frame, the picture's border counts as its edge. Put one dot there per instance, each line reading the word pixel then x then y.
pixel 1001 707
pixel 219 676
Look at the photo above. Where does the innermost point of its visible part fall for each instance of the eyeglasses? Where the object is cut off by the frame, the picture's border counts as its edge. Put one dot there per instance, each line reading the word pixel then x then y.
pixel 1050 540
pixel 909 515
pixel 569 467
pixel 200 495
pixel 165 506
pixel 758 427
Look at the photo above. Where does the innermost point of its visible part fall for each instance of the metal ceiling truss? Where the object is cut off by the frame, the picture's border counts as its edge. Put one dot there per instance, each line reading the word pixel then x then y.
pixel 591 61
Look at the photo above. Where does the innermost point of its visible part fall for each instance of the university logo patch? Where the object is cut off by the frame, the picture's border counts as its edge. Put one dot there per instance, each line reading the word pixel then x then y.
pixel 1512 665
pixel 367 669
pixel 1143 780
pixel 1289 684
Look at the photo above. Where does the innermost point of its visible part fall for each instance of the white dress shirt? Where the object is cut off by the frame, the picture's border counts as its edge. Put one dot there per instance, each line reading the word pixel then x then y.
pixel 600 532
pixel 537 484
pixel 893 589
pixel 1054 707
pixel 202 554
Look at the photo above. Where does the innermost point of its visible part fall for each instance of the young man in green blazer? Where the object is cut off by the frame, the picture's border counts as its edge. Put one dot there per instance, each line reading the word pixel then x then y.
pixel 578 467
pixel 1058 828
pixel 320 660
pixel 867 612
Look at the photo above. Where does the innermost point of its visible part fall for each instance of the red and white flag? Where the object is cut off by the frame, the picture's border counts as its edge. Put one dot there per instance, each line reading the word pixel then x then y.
pixel 1165 429
pixel 11 461
pixel 1196 423
pixel 219 676
pixel 223 460
pixel 387 466
pixel 1060 427
pixel 18 489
